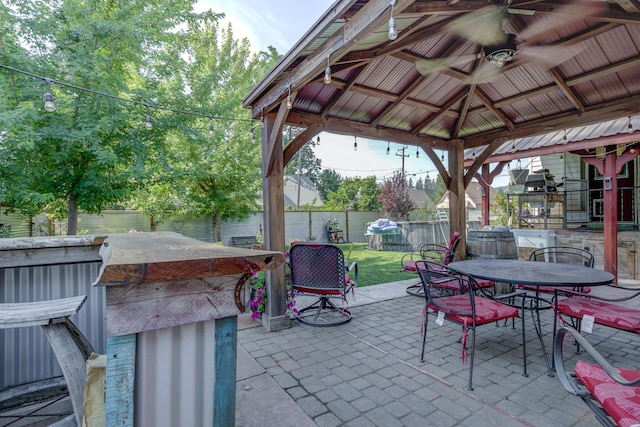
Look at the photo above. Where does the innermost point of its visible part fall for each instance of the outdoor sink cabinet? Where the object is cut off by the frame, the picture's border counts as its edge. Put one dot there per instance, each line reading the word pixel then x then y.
pixel 171 316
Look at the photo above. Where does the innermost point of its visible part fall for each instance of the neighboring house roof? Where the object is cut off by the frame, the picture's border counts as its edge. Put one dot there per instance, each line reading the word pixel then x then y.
pixel 473 197
pixel 419 197
pixel 308 193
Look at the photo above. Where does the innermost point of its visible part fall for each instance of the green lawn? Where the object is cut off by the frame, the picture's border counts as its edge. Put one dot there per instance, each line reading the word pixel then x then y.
pixel 375 267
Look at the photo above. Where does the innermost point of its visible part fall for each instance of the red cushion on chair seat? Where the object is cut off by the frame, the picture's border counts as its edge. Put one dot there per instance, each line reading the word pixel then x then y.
pixel 605 313
pixel 318 291
pixel 484 283
pixel 410 266
pixel 487 310
pixel 621 402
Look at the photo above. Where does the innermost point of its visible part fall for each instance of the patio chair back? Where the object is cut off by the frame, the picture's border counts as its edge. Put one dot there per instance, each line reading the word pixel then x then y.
pixel 563 255
pixel 319 269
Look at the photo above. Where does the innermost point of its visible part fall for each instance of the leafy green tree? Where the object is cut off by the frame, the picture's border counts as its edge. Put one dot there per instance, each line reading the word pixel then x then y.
pixel 305 159
pixel 90 152
pixel 395 199
pixel 356 194
pixel 213 165
pixel 329 181
pixel 419 184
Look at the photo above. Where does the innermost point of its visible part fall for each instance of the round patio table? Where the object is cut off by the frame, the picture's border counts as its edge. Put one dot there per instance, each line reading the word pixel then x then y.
pixel 533 273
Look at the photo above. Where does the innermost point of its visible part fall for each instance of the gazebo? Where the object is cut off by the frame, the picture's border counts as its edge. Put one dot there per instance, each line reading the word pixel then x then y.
pixel 470 78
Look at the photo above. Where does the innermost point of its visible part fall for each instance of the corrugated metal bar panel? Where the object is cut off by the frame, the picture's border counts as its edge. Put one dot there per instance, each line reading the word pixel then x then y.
pixel 26 355
pixel 175 376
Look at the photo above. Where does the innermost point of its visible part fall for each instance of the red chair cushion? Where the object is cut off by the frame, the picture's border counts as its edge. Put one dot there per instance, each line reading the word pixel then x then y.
pixel 605 313
pixel 621 402
pixel 410 266
pixel 458 309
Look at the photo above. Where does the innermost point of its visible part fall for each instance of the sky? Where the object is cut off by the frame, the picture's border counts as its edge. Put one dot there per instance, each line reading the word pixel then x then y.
pixel 281 23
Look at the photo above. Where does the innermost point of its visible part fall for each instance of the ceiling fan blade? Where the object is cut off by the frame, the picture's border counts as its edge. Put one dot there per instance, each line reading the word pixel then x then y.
pixel 483 26
pixel 550 55
pixel 562 16
pixel 526 12
pixel 435 65
pixel 485 73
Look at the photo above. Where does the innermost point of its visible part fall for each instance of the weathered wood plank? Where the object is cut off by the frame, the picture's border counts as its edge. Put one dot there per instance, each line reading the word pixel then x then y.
pixel 32 251
pixel 148 306
pixel 132 259
pixel 72 363
pixel 120 378
pixel 16 315
pixel 226 352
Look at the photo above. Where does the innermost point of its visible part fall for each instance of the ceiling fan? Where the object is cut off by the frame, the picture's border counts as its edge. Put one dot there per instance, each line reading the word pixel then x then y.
pixel 500 43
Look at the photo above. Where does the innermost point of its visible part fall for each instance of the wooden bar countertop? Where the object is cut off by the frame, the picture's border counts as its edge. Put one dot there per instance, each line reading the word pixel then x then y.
pixel 163 279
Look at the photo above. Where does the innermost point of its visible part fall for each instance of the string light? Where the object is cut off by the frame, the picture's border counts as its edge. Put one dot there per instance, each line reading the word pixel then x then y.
pixel 513 147
pixel 147 123
pixel 318 140
pixel 289 103
pixel 442 156
pixel 211 127
pixel 355 143
pixel 564 138
pixel 417 154
pixel 393 34
pixel 629 126
pixel 388 149
pixel 561 156
pixel 49 106
pixel 327 73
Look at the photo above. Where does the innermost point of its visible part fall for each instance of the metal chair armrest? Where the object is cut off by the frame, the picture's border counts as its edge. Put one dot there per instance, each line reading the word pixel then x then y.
pixel 354 268
pixel 566 378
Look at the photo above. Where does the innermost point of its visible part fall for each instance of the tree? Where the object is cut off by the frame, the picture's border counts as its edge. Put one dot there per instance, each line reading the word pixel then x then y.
pixel 90 152
pixel 214 171
pixel 305 159
pixel 419 184
pixel 394 196
pixel 329 181
pixel 357 193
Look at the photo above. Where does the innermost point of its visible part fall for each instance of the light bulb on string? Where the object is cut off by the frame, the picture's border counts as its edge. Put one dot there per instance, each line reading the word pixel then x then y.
pixel 417 154
pixel 355 143
pixel 147 123
pixel 211 126
pixel 49 106
pixel 318 140
pixel 388 149
pixel 289 102
pixel 564 138
pixel 327 73
pixel 253 134
pixel 393 33
pixel 561 156
pixel 442 156
pixel 629 126
pixel 513 147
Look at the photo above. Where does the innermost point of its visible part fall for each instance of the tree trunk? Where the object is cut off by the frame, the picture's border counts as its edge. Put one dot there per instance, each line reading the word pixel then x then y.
pixel 216 227
pixel 72 216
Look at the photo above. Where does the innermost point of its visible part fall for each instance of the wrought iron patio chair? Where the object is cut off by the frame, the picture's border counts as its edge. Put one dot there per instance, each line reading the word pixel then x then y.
pixel 319 270
pixel 431 252
pixel 613 394
pixel 464 308
pixel 561 255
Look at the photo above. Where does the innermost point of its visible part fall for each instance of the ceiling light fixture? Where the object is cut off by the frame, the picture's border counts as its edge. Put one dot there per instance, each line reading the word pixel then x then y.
pixel 500 54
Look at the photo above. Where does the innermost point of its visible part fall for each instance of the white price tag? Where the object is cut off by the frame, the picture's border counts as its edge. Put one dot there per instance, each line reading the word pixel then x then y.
pixel 587 324
pixel 440 318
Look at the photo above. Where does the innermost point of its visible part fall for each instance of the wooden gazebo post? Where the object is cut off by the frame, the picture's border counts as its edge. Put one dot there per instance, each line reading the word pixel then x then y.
pixel 457 209
pixel 610 167
pixel 274 317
